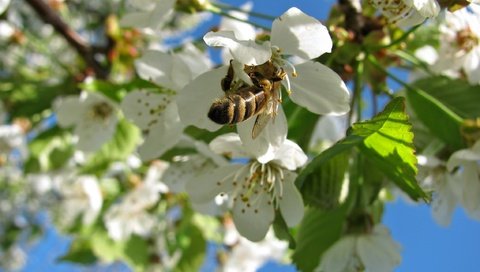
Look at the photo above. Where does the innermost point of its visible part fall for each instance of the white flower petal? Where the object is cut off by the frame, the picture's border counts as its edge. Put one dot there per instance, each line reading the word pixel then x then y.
pixel 149 19
pixel 162 135
pixel 247 52
pixel 291 202
pixel 290 156
pixel 412 19
pixel 145 108
pixel 68 110
pixel 166 70
pixel 208 185
pixel 92 135
pixel 263 147
pixel 196 61
pixel 472 66
pixel 427 8
pixel 378 252
pixel 4 5
pixel 319 89
pixel 253 221
pixel 340 257
pixel 298 34
pixel 195 99
pixel 229 144
pixel 444 200
pixel 460 157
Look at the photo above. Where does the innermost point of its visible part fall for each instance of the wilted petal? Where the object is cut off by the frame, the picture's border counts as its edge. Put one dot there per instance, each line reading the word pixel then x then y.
pixel 291 202
pixel 195 99
pixel 208 185
pixel 298 34
pixel 229 144
pixel 247 52
pixel 253 221
pixel 319 89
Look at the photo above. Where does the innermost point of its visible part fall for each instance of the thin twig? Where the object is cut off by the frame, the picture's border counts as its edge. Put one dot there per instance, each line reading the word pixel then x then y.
pixel 84 49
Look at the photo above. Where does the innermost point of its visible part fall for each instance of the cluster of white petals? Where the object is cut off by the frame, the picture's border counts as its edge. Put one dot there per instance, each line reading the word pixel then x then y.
pixel 80 196
pixel 460 44
pixel 406 13
pixel 246 256
pixel 93 116
pixel 455 182
pixel 130 215
pixel 373 252
pixel 157 114
pixel 256 189
pixel 312 84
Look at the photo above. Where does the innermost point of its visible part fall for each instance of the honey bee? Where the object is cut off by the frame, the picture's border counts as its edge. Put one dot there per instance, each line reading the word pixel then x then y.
pixel 242 102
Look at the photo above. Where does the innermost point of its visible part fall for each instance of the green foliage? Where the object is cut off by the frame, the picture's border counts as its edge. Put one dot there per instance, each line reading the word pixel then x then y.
pixel 123 144
pixel 50 150
pixel 193 246
pixel 114 91
pixel 438 118
pixel 317 232
pixel 388 143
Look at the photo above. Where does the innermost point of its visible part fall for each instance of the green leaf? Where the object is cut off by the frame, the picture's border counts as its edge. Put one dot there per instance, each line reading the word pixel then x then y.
pixel 388 144
pixel 301 124
pixel 49 150
pixel 438 118
pixel 193 246
pixel 123 144
pixel 116 92
pixel 282 231
pixel 458 95
pixel 79 252
pixel 321 181
pixel 136 254
pixel 317 232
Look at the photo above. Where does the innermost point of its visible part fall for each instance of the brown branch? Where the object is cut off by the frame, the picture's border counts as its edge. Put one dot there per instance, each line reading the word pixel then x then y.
pixel 84 49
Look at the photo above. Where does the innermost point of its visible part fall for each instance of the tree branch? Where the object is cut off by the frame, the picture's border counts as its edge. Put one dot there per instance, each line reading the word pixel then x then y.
pixel 84 49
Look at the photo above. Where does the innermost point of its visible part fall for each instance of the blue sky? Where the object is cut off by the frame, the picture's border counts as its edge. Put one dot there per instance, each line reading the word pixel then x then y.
pixel 426 245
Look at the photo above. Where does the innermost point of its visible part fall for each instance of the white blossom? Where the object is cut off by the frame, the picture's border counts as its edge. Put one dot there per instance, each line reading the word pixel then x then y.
pixel 80 196
pixel 466 163
pixel 130 215
pixel 460 44
pixel 157 113
pixel 311 84
pixel 247 256
pixel 256 188
pixel 372 252
pixel 406 13
pixel 433 176
pixel 93 116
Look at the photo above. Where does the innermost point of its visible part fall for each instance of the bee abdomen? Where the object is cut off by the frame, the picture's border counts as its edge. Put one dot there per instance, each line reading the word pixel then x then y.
pixel 221 111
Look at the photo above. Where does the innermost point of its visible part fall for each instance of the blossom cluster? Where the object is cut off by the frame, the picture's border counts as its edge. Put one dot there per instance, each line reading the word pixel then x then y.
pixel 240 136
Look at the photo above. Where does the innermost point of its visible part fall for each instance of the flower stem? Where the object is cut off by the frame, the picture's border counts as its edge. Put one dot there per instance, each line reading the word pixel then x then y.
pixel 357 90
pixel 397 41
pixel 218 11
pixel 250 13
pixel 407 56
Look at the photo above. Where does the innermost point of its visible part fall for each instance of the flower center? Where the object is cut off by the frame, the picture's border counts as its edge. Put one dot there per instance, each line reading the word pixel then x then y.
pixel 467 40
pixel 281 63
pixel 260 179
pixel 101 111
pixel 393 10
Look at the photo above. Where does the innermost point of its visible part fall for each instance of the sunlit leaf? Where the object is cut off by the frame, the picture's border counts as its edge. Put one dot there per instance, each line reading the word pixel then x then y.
pixel 388 144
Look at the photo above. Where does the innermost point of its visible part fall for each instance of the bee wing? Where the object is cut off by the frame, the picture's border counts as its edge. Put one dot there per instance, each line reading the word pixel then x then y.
pixel 260 123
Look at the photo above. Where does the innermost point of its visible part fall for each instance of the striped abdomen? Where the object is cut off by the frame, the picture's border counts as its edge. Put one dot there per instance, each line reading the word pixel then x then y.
pixel 237 107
